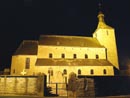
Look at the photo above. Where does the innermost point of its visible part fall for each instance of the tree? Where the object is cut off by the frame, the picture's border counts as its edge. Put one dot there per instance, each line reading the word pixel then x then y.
pixel 72 84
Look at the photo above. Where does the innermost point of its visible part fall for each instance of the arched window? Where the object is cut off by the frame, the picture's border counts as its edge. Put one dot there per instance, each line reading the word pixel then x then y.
pixel 79 72
pixel 91 71
pixel 75 56
pixel 86 56
pixel 50 55
pixel 97 56
pixel 62 55
pixel 64 71
pixel 104 71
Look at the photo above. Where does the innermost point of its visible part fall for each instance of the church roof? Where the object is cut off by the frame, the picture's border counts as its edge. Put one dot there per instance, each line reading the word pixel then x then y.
pixel 27 47
pixel 73 62
pixel 69 41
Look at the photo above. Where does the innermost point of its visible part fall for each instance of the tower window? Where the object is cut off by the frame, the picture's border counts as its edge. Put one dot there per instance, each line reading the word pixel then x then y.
pixel 97 56
pixel 27 63
pixel 63 55
pixel 104 71
pixel 64 71
pixel 75 56
pixel 107 32
pixel 91 71
pixel 86 56
pixel 79 72
pixel 50 55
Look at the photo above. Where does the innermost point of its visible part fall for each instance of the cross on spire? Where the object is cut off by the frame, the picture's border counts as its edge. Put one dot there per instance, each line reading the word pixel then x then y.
pixel 100 6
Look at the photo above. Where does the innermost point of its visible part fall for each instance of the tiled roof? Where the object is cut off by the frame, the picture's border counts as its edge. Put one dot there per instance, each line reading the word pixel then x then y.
pixel 27 47
pixel 73 62
pixel 69 41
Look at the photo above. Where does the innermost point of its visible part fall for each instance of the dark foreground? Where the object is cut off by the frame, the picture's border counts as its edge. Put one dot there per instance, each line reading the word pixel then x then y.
pixel 121 96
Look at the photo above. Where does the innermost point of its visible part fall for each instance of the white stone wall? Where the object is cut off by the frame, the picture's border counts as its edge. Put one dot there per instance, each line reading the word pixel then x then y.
pixel 20 85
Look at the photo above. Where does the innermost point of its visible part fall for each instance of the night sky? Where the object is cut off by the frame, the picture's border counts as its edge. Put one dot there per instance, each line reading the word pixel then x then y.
pixel 28 19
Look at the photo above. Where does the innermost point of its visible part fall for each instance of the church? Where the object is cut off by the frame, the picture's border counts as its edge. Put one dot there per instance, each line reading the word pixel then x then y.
pixel 57 56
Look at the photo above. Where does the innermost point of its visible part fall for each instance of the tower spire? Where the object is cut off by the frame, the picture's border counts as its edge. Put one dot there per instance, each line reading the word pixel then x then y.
pixel 100 6
pixel 101 22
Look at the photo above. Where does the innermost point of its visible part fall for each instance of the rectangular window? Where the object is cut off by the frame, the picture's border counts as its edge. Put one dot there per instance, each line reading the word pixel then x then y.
pixel 104 71
pixel 63 55
pixel 75 56
pixel 64 71
pixel 91 72
pixel 27 63
pixel 97 56
pixel 14 71
pixel 79 72
pixel 50 55
pixel 86 56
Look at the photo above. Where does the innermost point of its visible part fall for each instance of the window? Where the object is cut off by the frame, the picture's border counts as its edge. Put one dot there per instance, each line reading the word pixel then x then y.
pixel 79 72
pixel 104 71
pixel 64 71
pixel 14 71
pixel 91 71
pixel 75 56
pixel 86 56
pixel 27 63
pixel 62 55
pixel 107 33
pixel 50 55
pixel 50 72
pixel 97 56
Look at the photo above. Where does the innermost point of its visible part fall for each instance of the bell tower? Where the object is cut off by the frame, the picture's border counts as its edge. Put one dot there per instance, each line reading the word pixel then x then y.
pixel 106 36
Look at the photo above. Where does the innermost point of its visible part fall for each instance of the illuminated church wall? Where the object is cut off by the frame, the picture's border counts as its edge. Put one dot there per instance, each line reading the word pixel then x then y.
pixel 107 38
pixel 85 70
pixel 57 51
pixel 19 64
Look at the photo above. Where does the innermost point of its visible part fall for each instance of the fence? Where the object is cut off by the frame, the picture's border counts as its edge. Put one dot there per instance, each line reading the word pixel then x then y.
pixel 57 89
pixel 85 89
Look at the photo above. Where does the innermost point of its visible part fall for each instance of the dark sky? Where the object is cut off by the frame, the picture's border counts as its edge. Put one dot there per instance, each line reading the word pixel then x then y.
pixel 28 19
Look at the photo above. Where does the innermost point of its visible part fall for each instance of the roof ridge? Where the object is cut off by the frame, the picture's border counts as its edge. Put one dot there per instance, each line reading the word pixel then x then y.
pixel 65 36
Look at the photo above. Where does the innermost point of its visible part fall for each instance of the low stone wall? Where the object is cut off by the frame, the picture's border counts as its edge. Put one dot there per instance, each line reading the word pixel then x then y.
pixel 22 85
